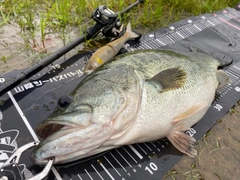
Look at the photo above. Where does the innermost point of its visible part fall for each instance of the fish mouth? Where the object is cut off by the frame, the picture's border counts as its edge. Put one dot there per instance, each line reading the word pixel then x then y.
pixel 65 141
pixel 46 130
pixel 50 132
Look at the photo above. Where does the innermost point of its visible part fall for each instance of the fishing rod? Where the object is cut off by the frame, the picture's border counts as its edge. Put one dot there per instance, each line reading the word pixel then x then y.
pixel 106 20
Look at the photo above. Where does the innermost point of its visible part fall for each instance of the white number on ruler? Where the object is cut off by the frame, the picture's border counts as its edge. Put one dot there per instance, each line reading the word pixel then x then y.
pixel 56 66
pixel 218 107
pixel 237 89
pixel 2 80
pixel 190 132
pixel 152 167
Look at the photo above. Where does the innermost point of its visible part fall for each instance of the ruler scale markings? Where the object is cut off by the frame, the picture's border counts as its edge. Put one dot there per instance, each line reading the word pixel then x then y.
pixel 185 33
pixel 172 36
pixel 152 45
pixel 135 151
pixel 168 36
pixel 223 92
pixel 233 78
pixel 112 165
pixel 118 162
pixel 130 155
pixel 210 22
pixel 163 141
pixel 207 24
pixel 158 45
pixel 137 47
pixel 218 22
pixel 200 24
pixel 180 35
pixel 141 149
pixel 235 70
pixel 176 36
pixel 236 67
pixel 148 46
pixel 169 39
pixel 79 176
pixel 105 169
pixel 155 44
pixel 88 174
pixel 97 172
pixel 147 146
pixel 158 142
pixel 164 39
pixel 123 158
pixel 232 73
pixel 234 17
pixel 155 146
pixel 189 31
pixel 166 141
pixel 197 27
pixel 143 46
pixel 140 48
pixel 161 42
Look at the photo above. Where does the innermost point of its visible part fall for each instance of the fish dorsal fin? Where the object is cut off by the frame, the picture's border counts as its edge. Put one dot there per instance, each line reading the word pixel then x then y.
pixel 170 79
pixel 223 79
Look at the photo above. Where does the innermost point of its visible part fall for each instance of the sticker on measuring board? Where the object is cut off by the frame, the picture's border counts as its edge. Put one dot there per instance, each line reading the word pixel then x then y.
pixel 28 104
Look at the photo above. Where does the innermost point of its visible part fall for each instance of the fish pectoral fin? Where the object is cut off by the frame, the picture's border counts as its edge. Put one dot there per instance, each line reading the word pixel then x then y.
pixel 223 79
pixel 170 79
pixel 194 109
pixel 183 142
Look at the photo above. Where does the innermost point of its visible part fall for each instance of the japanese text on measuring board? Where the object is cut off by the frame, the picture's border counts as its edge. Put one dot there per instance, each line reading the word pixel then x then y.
pixel 38 83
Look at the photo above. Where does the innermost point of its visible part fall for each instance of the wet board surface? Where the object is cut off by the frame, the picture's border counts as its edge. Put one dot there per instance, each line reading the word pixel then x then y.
pixel 25 106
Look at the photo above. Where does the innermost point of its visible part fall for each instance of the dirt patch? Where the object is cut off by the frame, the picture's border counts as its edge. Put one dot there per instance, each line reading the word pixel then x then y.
pixel 218 153
pixel 18 50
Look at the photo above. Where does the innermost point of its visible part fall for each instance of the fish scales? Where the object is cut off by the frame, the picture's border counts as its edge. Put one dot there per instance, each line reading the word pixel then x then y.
pixel 136 97
pixel 198 75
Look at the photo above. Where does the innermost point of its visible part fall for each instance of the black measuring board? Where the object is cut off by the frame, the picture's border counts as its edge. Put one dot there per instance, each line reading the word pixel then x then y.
pixel 24 107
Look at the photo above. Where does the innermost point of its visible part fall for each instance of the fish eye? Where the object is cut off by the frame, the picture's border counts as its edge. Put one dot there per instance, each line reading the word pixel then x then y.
pixel 64 101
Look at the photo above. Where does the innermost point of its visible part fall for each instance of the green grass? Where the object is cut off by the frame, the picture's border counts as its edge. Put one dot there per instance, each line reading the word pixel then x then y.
pixel 63 16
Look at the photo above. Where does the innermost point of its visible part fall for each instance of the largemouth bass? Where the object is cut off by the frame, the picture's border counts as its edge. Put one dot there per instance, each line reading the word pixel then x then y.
pixel 136 97
pixel 107 52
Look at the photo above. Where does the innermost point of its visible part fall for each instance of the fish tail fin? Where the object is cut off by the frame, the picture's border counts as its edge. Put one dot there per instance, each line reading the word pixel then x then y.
pixel 129 30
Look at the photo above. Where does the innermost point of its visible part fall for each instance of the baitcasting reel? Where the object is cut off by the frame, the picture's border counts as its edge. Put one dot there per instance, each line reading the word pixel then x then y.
pixel 109 21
